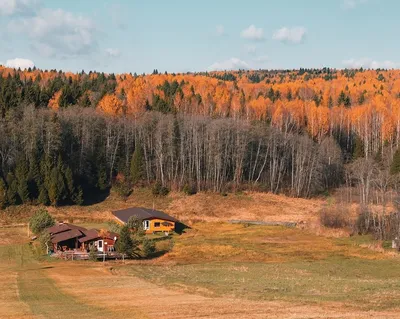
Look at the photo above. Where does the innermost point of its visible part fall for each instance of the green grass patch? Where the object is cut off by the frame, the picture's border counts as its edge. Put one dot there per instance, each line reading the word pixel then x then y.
pixel 367 284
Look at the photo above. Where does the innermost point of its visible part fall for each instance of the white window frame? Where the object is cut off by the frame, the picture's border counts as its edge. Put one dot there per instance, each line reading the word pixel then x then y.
pixel 146 224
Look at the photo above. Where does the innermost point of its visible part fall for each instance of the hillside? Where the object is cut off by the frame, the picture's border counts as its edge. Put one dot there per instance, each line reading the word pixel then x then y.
pixel 302 133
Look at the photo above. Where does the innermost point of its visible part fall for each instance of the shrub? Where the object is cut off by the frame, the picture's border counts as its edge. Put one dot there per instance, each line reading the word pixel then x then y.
pixel 92 253
pixel 189 189
pixel 40 221
pixel 159 190
pixel 335 217
pixel 364 223
pixel 123 189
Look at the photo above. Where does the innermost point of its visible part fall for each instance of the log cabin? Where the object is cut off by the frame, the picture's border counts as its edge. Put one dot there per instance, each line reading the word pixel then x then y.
pixel 154 221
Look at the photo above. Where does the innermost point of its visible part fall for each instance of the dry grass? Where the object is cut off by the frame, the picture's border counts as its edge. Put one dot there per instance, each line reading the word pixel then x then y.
pixel 200 207
pixel 228 242
pixel 131 295
pixel 238 272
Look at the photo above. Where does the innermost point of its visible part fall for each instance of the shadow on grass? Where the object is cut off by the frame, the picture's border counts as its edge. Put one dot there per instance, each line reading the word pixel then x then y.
pixel 180 228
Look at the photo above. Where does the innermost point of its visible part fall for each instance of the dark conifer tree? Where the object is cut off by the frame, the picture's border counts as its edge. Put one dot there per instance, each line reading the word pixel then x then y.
pixel 137 169
pixel 395 166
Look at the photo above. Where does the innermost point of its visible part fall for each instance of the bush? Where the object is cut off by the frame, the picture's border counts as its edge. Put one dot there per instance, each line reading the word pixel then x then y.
pixel 40 221
pixel 159 190
pixel 335 217
pixel 92 253
pixel 382 227
pixel 149 248
pixel 189 189
pixel 123 189
pixel 364 223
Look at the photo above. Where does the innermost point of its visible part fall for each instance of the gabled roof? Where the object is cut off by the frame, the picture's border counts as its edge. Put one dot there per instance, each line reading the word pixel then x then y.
pixel 141 213
pixel 92 234
pixel 65 235
pixel 89 234
pixel 62 227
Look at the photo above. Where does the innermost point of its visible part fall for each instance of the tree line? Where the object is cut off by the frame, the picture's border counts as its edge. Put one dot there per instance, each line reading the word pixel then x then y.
pixel 62 157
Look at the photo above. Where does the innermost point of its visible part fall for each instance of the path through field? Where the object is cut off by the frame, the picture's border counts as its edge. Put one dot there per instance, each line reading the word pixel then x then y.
pixel 28 292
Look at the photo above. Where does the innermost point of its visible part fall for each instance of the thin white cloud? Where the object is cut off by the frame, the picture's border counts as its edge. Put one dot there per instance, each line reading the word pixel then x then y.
pixel 351 4
pixel 57 33
pixel 230 64
pixel 220 30
pixel 20 63
pixel 113 53
pixel 293 35
pixel 261 59
pixel 251 49
pixel 18 7
pixel 253 33
pixel 368 63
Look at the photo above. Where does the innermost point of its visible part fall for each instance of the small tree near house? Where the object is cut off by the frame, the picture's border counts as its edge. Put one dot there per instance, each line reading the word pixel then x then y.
pixel 125 244
pixel 40 221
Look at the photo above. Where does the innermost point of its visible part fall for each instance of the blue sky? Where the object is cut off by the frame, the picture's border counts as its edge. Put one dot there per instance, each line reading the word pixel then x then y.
pixel 180 36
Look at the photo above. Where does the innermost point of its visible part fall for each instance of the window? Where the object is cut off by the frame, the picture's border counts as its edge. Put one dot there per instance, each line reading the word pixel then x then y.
pixel 100 244
pixel 110 248
pixel 146 224
pixel 157 224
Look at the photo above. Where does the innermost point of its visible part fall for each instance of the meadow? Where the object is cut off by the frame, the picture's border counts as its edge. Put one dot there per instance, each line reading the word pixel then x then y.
pixel 215 270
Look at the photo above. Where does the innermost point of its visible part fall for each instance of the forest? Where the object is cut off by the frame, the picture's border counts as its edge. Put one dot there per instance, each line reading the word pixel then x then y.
pixel 67 138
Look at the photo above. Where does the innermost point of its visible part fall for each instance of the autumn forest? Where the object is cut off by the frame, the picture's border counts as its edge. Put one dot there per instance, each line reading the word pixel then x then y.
pixel 67 138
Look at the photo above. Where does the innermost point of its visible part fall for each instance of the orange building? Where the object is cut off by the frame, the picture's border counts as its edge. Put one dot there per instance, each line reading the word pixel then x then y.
pixel 153 220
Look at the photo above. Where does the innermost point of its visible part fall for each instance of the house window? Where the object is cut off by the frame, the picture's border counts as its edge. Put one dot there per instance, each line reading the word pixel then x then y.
pixel 100 244
pixel 146 224
pixel 157 224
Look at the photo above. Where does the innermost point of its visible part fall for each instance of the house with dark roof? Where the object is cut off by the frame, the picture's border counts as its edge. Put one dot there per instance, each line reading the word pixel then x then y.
pixel 153 220
pixel 65 237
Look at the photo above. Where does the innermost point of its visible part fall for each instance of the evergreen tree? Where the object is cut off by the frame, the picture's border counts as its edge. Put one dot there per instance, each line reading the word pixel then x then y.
pixel 125 244
pixel 102 178
pixel 43 196
pixel 341 98
pixel 137 169
pixel 22 176
pixel 78 196
pixel 69 181
pixel 23 191
pixel 149 248
pixel 330 102
pixel 3 194
pixel 12 189
pixel 358 148
pixel 395 166
pixel 57 188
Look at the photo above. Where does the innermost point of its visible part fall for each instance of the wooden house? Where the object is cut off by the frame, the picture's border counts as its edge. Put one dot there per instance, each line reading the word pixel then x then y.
pixel 66 237
pixel 153 220
pixel 102 241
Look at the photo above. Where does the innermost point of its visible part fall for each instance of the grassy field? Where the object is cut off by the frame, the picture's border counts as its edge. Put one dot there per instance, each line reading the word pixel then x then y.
pixel 32 293
pixel 274 263
pixel 215 269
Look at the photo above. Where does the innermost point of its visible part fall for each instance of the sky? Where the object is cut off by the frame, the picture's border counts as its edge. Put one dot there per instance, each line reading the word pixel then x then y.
pixel 183 35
